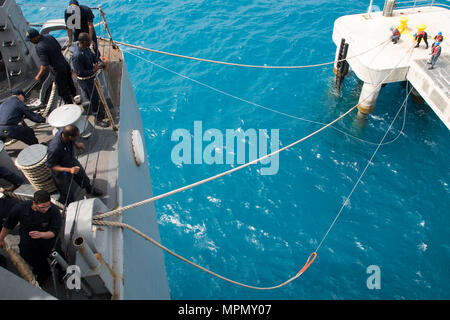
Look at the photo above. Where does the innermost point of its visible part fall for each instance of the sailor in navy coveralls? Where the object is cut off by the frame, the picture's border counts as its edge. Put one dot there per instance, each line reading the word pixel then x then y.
pixel 40 223
pixel 63 164
pixel 86 64
pixel 6 203
pixel 12 112
pixel 86 23
pixel 50 56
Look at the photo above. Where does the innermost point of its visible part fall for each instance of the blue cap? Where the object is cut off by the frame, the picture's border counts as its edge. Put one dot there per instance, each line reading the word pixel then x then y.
pixel 391 28
pixel 32 33
pixel 439 33
pixel 17 91
pixel 75 2
pixel 437 43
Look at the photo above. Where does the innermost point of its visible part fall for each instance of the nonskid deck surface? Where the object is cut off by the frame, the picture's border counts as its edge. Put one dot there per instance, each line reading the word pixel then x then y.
pixel 440 75
pixel 100 157
pixel 101 146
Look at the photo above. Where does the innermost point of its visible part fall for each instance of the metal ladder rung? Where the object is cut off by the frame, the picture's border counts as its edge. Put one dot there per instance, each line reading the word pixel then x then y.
pixel 9 43
pixel 15 73
pixel 15 59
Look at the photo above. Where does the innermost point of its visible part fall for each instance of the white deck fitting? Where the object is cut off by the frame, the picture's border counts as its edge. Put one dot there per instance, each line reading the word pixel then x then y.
pixel 362 32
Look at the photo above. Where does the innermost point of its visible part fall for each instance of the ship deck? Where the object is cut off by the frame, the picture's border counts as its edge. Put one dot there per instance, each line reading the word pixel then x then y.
pixel 100 158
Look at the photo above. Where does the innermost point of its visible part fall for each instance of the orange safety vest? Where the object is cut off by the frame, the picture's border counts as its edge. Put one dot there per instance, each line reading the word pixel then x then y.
pixel 435 49
pixel 421 33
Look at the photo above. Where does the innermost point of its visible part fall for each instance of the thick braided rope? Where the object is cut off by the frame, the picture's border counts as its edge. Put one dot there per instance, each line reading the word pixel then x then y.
pixel 39 175
pixel 246 65
pixel 21 265
pixel 140 203
pixel 137 204
pixel 24 198
pixel 310 260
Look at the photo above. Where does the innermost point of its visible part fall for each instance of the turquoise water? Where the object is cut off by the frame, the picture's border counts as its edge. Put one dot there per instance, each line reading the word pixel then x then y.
pixel 258 229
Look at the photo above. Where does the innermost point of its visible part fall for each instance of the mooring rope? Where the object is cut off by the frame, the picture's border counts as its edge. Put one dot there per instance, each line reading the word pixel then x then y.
pixel 97 220
pixel 310 260
pixel 362 174
pixel 261 106
pixel 19 197
pixel 190 186
pixel 22 266
pixel 404 104
pixel 38 175
pixel 140 203
pixel 246 65
pixel 311 257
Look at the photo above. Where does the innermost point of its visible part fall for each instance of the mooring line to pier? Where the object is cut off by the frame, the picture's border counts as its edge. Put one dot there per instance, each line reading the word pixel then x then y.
pixel 380 144
pixel 98 219
pixel 263 107
pixel 308 262
pixel 217 176
pixel 246 65
pixel 364 171
pixel 137 204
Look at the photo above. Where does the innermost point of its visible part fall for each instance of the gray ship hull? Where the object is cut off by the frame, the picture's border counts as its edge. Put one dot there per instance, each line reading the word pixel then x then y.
pixel 144 271
pixel 131 267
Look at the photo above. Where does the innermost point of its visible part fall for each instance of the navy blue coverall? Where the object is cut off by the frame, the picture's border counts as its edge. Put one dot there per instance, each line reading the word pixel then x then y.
pixel 6 203
pixel 49 52
pixel 86 17
pixel 12 112
pixel 83 64
pixel 60 153
pixel 35 251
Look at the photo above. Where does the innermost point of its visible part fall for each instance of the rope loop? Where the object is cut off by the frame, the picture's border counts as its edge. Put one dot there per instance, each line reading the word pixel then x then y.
pixel 309 262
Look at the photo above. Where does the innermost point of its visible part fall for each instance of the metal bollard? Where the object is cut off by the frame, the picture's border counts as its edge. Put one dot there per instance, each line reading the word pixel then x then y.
pixel 389 6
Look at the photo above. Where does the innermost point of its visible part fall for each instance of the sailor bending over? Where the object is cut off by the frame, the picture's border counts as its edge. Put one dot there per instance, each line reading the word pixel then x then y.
pixel 48 50
pixel 64 165
pixel 12 112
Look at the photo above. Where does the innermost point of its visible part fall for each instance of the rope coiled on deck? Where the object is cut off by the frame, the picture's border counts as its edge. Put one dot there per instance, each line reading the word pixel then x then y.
pixel 39 175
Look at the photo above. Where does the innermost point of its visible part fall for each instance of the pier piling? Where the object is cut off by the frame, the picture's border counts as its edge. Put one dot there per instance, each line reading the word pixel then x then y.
pixel 368 99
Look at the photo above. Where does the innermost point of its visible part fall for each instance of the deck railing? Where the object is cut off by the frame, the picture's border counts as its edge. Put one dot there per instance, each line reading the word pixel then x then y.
pixel 421 3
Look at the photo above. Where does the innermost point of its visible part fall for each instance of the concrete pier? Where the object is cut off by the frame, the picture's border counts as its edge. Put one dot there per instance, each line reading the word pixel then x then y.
pixel 433 85
pixel 389 62
pixel 368 98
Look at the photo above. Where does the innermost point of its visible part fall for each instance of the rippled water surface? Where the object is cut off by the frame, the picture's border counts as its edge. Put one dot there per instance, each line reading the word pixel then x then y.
pixel 259 229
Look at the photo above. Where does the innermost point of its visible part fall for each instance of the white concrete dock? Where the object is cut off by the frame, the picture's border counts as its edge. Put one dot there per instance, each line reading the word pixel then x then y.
pixel 389 62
